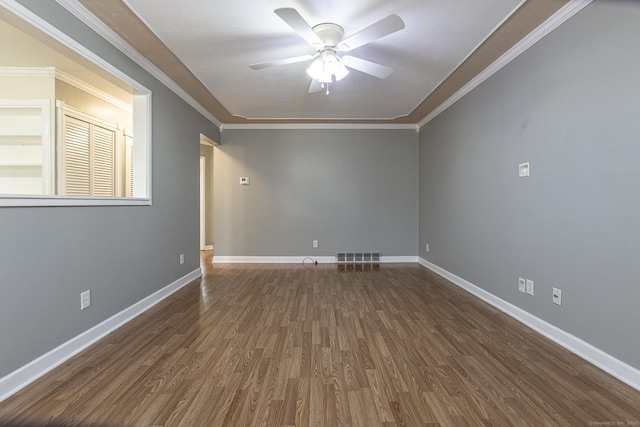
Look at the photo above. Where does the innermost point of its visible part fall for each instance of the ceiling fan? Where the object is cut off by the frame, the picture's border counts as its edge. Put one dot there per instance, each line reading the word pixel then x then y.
pixel 327 40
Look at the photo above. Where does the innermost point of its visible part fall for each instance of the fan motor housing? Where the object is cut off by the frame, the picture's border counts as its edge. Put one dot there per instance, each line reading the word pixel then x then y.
pixel 330 34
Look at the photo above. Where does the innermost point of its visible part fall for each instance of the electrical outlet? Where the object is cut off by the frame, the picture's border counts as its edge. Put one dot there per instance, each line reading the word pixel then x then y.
pixel 315 243
pixel 426 247
pixel 557 296
pixel 85 300
pixel 529 286
pixel 521 285
pixel 181 259
pixel 523 170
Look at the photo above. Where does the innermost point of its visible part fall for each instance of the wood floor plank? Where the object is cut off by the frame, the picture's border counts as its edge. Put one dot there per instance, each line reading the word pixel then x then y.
pixel 324 345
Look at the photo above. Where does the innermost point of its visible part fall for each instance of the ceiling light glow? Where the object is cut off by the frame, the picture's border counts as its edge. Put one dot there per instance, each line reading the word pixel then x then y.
pixel 327 68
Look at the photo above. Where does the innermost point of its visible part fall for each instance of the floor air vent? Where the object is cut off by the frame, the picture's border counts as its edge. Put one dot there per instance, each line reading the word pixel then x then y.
pixel 358 257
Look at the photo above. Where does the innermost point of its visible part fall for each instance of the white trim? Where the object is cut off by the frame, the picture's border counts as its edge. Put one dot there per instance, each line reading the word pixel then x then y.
pixel 48 158
pixel 307 126
pixel 299 259
pixel 92 90
pixel 82 115
pixel 615 367
pixel 205 140
pixel 208 247
pixel 33 370
pixel 43 72
pixel 98 26
pixel 561 16
pixel 269 259
pixel 471 52
pixel 398 259
pixel 42 25
pixel 29 17
pixel 42 201
pixel 108 34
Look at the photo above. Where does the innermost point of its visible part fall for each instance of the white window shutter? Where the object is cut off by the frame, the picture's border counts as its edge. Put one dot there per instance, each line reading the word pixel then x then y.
pixel 104 141
pixel 128 161
pixel 77 156
pixel 88 154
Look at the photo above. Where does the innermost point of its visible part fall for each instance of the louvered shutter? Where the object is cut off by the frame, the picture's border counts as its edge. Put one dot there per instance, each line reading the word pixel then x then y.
pixel 88 154
pixel 103 161
pixel 77 155
pixel 128 161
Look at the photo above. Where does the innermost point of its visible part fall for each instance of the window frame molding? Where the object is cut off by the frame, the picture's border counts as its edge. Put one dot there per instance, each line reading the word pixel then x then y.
pixel 9 200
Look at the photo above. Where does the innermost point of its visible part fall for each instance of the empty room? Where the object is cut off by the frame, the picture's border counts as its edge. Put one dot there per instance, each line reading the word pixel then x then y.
pixel 296 213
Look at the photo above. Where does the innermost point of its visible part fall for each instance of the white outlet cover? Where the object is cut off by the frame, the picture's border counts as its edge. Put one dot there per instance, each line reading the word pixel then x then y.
pixel 315 243
pixel 522 285
pixel 244 180
pixel 557 296
pixel 523 169
pixel 85 299
pixel 529 287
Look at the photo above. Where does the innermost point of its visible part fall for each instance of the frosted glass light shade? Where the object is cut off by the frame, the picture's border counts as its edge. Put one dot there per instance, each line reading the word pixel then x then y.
pixel 326 67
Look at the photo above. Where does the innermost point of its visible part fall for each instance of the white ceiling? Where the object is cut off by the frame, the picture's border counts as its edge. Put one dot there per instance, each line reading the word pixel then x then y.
pixel 217 40
pixel 202 50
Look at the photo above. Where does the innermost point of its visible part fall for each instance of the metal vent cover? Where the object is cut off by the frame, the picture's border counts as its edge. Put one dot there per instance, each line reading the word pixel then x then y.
pixel 357 257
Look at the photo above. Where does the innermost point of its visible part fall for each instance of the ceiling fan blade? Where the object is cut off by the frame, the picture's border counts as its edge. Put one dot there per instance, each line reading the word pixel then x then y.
pixel 299 25
pixel 315 86
pixel 261 65
pixel 384 27
pixel 368 67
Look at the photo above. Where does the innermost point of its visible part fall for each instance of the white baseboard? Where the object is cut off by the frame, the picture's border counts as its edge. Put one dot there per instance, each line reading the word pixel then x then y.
pixel 33 370
pixel 399 259
pixel 297 259
pixel 617 368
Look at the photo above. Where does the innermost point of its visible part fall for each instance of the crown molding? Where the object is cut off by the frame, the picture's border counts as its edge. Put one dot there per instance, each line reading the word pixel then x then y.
pixel 308 126
pixel 108 34
pixel 42 25
pixel 41 72
pixel 549 25
pixel 52 72
pixel 560 17
pixel 92 90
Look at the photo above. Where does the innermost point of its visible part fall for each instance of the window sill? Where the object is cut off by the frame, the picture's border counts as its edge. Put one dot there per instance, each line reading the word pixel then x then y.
pixel 48 201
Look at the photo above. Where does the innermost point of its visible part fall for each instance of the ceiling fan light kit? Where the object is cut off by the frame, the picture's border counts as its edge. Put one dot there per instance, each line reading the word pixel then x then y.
pixel 327 40
pixel 327 68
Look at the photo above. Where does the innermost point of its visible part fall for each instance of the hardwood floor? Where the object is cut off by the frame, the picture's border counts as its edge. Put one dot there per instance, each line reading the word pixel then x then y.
pixel 280 345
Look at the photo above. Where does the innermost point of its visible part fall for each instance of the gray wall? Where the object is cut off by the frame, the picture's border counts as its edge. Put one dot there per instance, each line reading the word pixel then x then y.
pixel 569 106
pixel 352 190
pixel 122 254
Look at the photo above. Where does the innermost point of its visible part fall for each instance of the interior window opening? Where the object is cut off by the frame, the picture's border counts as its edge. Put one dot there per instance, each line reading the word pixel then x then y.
pixel 71 131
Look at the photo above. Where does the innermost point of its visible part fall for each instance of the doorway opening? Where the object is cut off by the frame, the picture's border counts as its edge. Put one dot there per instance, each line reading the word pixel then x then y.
pixel 206 193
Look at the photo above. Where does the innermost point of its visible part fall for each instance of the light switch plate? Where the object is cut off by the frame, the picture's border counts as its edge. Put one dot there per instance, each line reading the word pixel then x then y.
pixel 529 287
pixel 523 169
pixel 85 299
pixel 244 180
